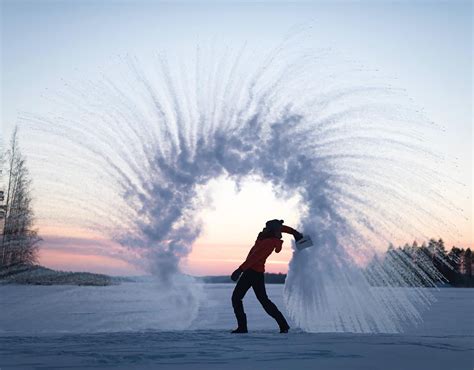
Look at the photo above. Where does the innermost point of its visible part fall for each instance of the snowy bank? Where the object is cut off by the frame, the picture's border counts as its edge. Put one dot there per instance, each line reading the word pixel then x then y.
pixel 39 275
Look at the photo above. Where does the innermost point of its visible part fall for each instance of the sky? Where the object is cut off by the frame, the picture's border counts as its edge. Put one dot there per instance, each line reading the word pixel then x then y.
pixel 425 45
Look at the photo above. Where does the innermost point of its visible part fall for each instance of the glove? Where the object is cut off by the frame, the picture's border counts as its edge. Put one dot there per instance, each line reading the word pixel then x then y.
pixel 236 274
pixel 298 235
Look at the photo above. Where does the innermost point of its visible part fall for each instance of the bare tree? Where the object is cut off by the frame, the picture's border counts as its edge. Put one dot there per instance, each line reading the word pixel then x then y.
pixel 19 242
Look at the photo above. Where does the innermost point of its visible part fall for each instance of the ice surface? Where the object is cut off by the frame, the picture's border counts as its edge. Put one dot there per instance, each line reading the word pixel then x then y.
pixel 118 327
pixel 128 306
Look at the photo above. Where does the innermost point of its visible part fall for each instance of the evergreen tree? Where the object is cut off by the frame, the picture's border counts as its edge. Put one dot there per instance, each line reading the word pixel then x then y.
pixel 423 265
pixel 468 262
pixel 19 241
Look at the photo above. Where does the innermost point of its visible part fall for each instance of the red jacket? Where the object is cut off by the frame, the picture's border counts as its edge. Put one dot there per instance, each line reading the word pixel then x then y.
pixel 262 249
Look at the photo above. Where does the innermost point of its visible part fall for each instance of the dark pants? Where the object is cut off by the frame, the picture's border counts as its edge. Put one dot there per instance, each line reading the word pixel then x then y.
pixel 254 279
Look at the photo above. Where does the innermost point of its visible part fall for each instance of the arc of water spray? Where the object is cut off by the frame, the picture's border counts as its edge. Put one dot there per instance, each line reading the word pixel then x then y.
pixel 149 138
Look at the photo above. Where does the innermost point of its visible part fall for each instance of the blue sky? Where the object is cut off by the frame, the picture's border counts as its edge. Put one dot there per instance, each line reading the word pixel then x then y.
pixel 425 45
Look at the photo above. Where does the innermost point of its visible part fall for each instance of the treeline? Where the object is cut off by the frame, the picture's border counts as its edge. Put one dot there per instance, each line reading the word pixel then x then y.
pixel 427 264
pixel 431 261
pixel 19 240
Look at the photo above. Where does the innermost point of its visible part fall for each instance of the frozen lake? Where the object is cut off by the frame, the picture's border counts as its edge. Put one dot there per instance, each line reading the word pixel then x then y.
pixel 57 327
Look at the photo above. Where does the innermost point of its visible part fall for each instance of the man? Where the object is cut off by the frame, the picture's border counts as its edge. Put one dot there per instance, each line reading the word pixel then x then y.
pixel 252 271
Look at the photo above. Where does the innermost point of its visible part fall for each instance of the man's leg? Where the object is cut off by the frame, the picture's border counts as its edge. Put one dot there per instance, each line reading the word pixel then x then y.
pixel 241 288
pixel 269 307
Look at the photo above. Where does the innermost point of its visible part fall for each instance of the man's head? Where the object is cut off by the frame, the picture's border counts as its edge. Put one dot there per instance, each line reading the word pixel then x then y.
pixel 274 224
pixel 274 227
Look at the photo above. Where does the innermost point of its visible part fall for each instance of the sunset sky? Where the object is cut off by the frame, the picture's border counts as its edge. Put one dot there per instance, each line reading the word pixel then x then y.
pixel 427 45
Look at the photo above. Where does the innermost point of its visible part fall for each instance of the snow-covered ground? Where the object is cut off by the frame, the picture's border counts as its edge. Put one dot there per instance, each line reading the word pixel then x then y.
pixel 58 327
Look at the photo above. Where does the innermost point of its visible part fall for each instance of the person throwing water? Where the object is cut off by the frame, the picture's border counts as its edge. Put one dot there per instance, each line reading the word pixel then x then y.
pixel 251 274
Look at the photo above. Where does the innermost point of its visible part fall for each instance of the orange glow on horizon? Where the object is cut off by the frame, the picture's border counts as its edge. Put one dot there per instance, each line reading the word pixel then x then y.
pixel 71 261
pixel 69 232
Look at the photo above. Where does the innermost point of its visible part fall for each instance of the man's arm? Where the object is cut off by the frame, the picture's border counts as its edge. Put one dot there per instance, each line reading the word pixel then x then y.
pixel 290 230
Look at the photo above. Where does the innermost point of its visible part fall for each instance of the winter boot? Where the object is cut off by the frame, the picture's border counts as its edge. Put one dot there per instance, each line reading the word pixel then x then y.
pixel 284 327
pixel 242 325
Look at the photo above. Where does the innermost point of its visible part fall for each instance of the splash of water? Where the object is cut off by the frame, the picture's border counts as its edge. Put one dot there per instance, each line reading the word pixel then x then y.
pixel 135 146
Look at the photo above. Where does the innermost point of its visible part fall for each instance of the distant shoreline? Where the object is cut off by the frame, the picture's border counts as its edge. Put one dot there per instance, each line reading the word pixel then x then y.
pixel 40 275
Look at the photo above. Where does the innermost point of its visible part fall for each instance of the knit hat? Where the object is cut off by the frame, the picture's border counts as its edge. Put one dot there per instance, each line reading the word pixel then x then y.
pixel 274 225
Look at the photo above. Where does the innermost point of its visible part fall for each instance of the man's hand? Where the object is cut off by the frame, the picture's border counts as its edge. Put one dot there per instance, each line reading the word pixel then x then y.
pixel 236 274
pixel 298 235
